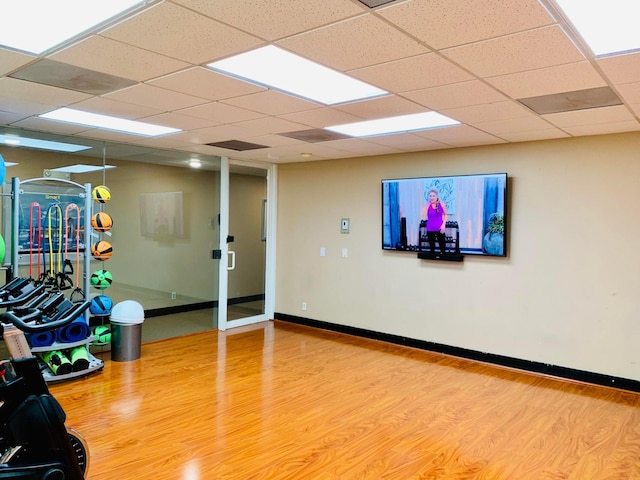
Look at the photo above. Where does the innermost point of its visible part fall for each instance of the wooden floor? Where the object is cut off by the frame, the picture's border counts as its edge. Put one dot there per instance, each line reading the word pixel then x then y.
pixel 281 401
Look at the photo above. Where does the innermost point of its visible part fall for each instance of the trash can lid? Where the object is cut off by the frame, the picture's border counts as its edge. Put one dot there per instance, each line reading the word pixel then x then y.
pixel 127 312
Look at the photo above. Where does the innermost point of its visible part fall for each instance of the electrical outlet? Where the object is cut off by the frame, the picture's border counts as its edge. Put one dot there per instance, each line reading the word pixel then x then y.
pixel 304 306
pixel 173 295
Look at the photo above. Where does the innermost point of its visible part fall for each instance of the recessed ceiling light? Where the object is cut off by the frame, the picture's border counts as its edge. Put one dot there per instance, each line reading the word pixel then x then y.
pixel 17 141
pixel 392 125
pixel 108 122
pixel 607 27
pixel 276 68
pixel 195 163
pixel 81 168
pixel 35 26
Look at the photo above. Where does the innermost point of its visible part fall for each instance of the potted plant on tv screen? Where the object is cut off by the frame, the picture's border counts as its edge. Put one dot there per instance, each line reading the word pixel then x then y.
pixel 493 242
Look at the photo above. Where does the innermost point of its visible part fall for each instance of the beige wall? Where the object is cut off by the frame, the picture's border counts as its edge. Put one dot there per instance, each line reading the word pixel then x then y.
pixel 567 294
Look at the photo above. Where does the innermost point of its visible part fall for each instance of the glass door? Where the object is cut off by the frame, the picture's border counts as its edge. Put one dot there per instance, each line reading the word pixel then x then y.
pixel 246 245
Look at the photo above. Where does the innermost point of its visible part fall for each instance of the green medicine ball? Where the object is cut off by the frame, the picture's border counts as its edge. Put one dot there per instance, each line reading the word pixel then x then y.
pixel 101 279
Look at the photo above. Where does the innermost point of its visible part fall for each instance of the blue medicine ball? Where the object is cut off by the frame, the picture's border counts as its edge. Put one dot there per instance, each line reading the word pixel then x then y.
pixel 101 305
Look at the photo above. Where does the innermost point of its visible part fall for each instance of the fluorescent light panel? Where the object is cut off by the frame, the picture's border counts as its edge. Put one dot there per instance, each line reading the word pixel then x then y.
pixel 36 26
pixel 16 141
pixel 392 125
pixel 79 117
pixel 276 68
pixel 81 168
pixel 607 27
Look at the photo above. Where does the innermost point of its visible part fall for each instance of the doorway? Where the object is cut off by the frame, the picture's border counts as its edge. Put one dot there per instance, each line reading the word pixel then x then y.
pixel 246 239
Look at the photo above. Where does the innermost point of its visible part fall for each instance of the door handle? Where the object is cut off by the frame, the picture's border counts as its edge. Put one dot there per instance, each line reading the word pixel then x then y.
pixel 232 264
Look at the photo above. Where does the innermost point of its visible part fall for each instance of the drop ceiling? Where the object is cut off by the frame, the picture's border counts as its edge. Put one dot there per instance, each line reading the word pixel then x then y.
pixel 484 63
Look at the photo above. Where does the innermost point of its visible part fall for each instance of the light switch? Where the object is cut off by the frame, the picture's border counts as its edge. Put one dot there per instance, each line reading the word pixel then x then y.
pixel 345 253
pixel 344 225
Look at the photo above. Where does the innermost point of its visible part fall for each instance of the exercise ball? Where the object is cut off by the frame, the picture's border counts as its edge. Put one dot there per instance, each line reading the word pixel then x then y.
pixel 101 194
pixel 101 250
pixel 101 279
pixel 101 222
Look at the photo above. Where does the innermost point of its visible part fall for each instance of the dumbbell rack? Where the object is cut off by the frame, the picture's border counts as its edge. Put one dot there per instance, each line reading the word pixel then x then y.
pixel 83 192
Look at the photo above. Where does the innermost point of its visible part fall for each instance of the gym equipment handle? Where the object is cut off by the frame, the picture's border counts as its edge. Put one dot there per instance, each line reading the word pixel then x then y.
pixel 26 318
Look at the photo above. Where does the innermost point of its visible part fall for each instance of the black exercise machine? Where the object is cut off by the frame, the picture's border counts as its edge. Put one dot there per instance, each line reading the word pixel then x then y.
pixel 35 443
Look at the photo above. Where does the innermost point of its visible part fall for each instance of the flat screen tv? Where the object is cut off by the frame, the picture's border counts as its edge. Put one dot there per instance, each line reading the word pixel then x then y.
pixel 464 214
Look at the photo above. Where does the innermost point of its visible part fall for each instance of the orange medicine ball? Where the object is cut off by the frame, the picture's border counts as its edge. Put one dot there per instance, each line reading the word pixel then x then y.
pixel 101 250
pixel 101 222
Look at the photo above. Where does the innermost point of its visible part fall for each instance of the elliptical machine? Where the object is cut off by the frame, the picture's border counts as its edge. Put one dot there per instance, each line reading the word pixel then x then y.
pixel 35 443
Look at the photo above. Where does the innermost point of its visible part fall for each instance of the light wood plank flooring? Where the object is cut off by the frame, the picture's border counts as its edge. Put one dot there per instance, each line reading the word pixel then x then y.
pixel 281 401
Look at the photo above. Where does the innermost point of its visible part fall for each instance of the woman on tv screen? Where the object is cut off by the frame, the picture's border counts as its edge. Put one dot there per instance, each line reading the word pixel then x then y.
pixel 435 215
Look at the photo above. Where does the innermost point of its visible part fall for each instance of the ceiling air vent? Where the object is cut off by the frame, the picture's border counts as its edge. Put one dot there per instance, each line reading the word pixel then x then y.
pixel 375 3
pixel 237 145
pixel 62 75
pixel 315 135
pixel 571 101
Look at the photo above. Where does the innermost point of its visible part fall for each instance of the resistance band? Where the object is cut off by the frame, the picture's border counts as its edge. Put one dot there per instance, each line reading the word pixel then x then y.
pixel 54 212
pixel 73 206
pixel 38 235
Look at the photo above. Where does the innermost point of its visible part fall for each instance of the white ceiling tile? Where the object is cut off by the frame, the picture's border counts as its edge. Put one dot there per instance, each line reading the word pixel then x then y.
pixel 177 32
pixel 154 97
pixel 630 92
pixel 175 120
pixel 604 128
pixel 590 116
pixel 23 107
pixel 116 58
pixel 322 117
pixel 106 106
pixel 455 95
pixel 413 73
pixel 268 125
pixel 10 61
pixel 275 140
pixel 277 18
pixel 446 23
pixel 460 136
pixel 621 68
pixel 545 81
pixel 7 118
pixel 519 52
pixel 487 112
pixel 271 102
pixel 226 132
pixel 221 113
pixel 513 125
pixel 533 135
pixel 389 106
pixel 205 83
pixel 355 43
pixel 361 147
pixel 407 142
pixel 38 93
pixel 176 140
